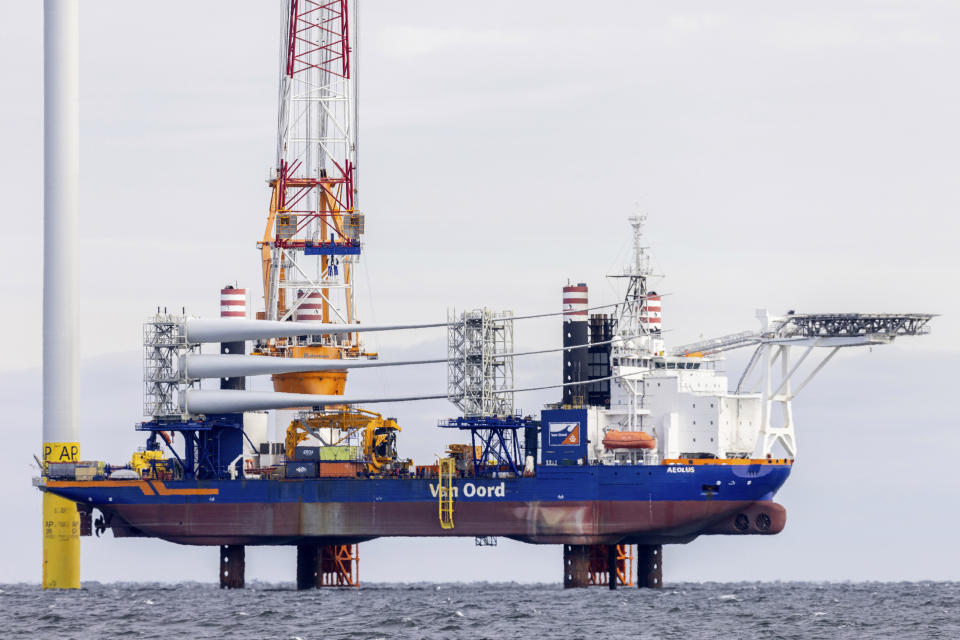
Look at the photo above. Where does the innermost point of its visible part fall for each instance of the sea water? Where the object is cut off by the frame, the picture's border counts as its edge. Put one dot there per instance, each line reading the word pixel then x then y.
pixel 481 610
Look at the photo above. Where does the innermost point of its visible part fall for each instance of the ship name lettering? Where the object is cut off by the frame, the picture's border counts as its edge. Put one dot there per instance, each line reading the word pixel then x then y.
pixel 471 490
pixel 679 469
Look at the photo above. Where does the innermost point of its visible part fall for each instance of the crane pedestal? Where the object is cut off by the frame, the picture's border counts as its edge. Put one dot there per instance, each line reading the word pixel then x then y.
pixel 232 566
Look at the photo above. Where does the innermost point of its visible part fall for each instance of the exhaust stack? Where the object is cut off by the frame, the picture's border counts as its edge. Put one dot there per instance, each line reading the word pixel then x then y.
pixel 575 335
pixel 233 304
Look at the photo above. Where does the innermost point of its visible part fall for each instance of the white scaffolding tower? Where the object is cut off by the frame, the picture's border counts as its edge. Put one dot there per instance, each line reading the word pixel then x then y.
pixel 479 364
pixel 163 345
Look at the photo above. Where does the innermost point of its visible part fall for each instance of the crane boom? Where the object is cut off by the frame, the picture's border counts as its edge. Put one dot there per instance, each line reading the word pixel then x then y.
pixel 312 240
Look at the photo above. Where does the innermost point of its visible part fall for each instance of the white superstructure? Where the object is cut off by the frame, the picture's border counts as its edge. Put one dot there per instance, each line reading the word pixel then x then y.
pixel 680 398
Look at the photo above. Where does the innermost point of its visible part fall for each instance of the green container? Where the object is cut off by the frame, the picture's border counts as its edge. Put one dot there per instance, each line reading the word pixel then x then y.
pixel 338 453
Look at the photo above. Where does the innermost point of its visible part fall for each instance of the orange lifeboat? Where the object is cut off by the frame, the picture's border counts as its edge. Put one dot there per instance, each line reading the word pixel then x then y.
pixel 629 440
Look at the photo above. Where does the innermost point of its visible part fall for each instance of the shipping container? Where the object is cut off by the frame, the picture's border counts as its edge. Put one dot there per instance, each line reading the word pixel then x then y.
pixel 338 453
pixel 61 470
pixel 300 469
pixel 306 453
pixel 338 469
pixel 87 473
pixel 333 453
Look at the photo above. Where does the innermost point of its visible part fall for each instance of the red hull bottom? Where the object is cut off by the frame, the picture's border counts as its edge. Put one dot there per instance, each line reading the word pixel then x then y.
pixel 569 522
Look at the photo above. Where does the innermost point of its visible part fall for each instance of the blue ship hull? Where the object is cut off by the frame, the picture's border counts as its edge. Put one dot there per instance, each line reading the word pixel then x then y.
pixel 643 504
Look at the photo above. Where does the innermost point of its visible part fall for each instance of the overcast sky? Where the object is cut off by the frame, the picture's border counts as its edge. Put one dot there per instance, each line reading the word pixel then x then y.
pixel 795 157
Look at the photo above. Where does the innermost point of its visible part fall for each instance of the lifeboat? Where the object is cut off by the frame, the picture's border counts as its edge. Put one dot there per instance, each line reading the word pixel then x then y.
pixel 628 440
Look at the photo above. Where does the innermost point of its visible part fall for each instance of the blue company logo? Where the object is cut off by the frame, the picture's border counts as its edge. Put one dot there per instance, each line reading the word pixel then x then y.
pixel 564 434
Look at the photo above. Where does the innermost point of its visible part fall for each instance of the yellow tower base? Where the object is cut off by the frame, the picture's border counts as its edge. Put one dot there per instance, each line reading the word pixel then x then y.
pixel 61 528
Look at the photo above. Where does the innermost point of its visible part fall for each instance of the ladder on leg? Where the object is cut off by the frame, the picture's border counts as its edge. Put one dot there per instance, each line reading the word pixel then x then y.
pixel 447 469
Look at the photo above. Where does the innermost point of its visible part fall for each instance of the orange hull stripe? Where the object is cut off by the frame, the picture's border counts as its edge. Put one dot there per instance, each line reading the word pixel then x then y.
pixel 140 484
pixel 149 488
pixel 163 491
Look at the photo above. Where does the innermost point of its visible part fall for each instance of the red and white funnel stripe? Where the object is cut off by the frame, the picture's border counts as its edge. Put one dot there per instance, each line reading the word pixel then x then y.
pixel 650 312
pixel 233 303
pixel 311 307
pixel 575 303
